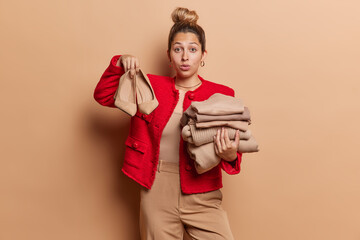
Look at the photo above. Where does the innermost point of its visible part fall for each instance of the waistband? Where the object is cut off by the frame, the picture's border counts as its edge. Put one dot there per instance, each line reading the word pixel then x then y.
pixel 165 166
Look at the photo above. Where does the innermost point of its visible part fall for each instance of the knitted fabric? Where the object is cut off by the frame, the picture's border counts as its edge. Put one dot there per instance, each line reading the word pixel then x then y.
pixel 199 136
pixel 190 113
pixel 219 104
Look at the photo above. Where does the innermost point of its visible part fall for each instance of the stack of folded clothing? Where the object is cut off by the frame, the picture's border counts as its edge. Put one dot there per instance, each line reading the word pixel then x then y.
pixel 201 121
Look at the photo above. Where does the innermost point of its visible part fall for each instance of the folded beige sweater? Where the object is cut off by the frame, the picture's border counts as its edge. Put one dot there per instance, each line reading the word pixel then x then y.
pixel 244 116
pixel 219 104
pixel 190 113
pixel 205 157
pixel 241 125
pixel 199 136
pixel 201 121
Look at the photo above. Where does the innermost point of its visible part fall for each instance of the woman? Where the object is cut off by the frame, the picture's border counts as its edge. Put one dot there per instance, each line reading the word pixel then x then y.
pixel 174 197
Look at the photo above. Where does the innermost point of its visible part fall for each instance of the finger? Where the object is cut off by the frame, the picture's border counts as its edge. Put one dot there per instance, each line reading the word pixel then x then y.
pixel 137 65
pixel 218 141
pixel 128 64
pixel 227 139
pixel 223 145
pixel 132 67
pixel 237 139
pixel 132 72
pixel 217 135
pixel 215 146
pixel 132 63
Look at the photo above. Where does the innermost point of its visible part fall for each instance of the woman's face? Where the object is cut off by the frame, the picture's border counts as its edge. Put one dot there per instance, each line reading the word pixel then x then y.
pixel 185 54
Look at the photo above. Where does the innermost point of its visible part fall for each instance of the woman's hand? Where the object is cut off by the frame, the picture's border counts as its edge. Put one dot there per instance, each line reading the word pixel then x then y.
pixel 129 62
pixel 224 147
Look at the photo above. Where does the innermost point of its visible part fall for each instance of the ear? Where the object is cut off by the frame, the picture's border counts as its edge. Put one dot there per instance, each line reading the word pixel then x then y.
pixel 204 54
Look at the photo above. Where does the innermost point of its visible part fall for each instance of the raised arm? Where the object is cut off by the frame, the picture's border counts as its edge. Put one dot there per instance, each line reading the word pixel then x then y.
pixel 109 81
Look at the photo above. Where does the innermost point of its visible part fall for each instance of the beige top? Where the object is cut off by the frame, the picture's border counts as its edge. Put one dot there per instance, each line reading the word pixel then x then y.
pixel 170 138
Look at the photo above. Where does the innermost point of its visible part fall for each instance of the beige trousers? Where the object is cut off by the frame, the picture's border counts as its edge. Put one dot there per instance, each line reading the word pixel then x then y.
pixel 166 213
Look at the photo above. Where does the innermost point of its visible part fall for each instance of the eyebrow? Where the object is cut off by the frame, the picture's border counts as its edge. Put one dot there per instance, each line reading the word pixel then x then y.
pixel 189 43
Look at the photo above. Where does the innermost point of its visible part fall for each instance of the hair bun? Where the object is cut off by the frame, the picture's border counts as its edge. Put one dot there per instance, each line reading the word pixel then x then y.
pixel 183 15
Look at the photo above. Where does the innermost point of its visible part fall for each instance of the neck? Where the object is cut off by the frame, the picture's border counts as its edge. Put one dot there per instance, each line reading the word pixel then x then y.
pixel 187 81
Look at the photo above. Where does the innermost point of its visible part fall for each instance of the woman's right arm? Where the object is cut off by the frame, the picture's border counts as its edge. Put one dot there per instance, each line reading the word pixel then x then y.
pixel 109 81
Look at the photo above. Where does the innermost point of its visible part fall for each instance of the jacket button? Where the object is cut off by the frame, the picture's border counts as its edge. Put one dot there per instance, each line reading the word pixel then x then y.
pixel 143 116
pixel 188 167
pixel 191 96
pixel 135 145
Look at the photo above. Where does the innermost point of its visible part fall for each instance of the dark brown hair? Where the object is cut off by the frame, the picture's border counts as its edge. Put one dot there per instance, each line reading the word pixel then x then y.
pixel 185 21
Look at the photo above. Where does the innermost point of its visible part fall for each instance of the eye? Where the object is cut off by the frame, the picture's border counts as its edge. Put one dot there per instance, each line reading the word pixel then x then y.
pixel 177 49
pixel 193 49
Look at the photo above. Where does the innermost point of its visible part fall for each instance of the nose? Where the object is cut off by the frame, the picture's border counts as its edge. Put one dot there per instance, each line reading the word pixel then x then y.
pixel 184 56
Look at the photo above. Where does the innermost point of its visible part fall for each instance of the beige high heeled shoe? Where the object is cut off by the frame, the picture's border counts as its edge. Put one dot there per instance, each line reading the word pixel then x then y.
pixel 125 95
pixel 145 95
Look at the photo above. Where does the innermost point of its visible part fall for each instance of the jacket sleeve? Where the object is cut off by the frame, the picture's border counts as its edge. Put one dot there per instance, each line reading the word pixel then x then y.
pixel 108 84
pixel 234 166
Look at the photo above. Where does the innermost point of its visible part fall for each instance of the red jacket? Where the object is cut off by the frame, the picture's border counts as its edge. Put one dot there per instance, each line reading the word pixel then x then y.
pixel 143 142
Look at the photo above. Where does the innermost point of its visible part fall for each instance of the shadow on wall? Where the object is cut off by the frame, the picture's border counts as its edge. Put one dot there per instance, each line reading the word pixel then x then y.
pixel 161 65
pixel 109 133
pixel 112 132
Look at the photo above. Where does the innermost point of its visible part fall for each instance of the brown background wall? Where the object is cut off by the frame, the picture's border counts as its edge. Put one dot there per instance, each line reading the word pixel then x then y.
pixel 294 63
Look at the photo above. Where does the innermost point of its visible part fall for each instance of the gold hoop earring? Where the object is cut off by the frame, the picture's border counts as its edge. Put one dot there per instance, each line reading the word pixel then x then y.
pixel 202 63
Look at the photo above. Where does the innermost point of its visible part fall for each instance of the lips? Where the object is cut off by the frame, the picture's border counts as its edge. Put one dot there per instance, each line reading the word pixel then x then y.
pixel 184 67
